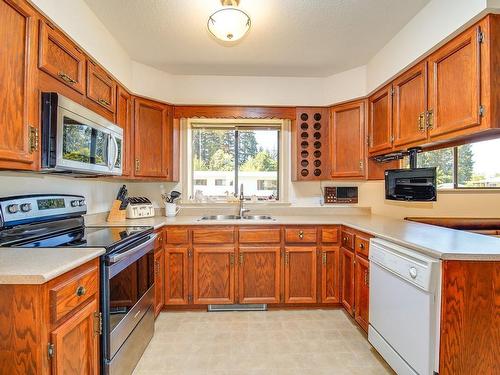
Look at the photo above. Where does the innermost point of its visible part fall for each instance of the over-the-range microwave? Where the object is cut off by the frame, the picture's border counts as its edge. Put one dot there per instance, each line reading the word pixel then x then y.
pixel 75 139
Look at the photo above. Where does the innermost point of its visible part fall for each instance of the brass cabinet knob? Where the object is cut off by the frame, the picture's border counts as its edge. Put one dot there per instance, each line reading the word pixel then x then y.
pixel 301 234
pixel 80 291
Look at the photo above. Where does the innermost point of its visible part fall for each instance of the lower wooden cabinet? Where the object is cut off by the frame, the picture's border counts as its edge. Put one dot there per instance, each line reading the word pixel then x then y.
pixel 213 275
pixel 259 274
pixel 330 274
pixel 362 291
pixel 159 275
pixel 176 271
pixel 300 274
pixel 347 258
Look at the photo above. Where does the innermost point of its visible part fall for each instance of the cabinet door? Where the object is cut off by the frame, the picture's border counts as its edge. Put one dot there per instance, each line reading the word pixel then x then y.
pixel 362 292
pixel 151 138
pixel 60 58
pixel 19 98
pixel 410 104
pixel 454 85
pixel 347 279
pixel 330 288
pixel 380 121
pixel 101 88
pixel 76 344
pixel 124 113
pixel 213 275
pixel 348 140
pixel 300 274
pixel 176 276
pixel 259 274
pixel 159 267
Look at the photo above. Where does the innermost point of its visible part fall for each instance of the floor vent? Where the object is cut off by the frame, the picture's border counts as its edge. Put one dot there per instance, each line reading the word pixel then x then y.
pixel 250 307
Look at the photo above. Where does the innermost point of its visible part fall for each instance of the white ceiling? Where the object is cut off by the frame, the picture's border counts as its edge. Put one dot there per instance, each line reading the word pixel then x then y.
pixel 308 38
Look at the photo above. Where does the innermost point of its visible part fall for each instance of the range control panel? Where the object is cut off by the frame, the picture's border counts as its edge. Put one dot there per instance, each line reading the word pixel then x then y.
pixel 341 194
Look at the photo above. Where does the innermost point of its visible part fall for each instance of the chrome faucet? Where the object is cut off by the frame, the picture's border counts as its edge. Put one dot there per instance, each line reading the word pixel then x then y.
pixel 242 199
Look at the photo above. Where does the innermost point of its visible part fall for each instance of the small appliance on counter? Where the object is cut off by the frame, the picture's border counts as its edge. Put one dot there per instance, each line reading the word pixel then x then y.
pixel 341 194
pixel 139 207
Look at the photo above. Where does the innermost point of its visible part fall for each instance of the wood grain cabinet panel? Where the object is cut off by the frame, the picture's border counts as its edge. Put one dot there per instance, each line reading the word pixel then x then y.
pixel 213 275
pixel 329 235
pixel 159 276
pixel 362 292
pixel 347 143
pixel 124 118
pixel 76 343
pixel 362 246
pixel 19 101
pixel 330 276
pixel 151 139
pixel 410 104
pixel 214 235
pixel 60 58
pixel 101 88
pixel 380 121
pixel 300 235
pixel 455 85
pixel 300 274
pixel 177 236
pixel 259 274
pixel 347 258
pixel 176 276
pixel 347 240
pixel 259 235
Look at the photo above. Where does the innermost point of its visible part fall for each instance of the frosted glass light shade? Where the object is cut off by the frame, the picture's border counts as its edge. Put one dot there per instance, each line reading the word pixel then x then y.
pixel 229 24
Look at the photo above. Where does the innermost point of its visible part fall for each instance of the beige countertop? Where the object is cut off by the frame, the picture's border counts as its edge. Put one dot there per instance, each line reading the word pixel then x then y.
pixel 437 242
pixel 39 265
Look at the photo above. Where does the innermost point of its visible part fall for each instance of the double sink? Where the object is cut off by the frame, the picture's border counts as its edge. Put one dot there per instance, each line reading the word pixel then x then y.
pixel 236 217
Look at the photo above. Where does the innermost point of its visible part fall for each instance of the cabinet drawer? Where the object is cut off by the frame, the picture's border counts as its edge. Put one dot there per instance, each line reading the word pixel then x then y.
pixel 177 236
pixel 61 59
pixel 251 235
pixel 329 235
pixel 101 88
pixel 348 240
pixel 300 235
pixel 213 235
pixel 362 246
pixel 71 290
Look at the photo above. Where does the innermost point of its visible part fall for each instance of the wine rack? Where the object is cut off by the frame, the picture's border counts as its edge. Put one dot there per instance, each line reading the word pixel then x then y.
pixel 311 144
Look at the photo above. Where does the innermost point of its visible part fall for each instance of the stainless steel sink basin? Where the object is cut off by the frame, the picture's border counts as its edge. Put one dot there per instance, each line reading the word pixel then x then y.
pixel 236 217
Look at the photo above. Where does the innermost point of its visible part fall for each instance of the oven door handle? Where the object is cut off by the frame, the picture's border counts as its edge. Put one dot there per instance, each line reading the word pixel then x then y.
pixel 143 247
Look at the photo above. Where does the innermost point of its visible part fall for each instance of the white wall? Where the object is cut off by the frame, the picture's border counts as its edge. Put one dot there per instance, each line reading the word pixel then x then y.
pixel 346 85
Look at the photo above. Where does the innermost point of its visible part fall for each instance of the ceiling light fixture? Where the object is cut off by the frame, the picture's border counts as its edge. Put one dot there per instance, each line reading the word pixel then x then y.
pixel 229 24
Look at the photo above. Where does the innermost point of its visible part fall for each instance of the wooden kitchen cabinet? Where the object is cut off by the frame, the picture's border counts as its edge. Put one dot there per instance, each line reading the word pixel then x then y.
pixel 380 121
pixel 409 108
pixel 362 291
pixel 330 277
pixel 176 275
pixel 347 141
pixel 259 274
pixel 152 130
pixel 124 119
pixel 60 58
pixel 101 88
pixel 159 276
pixel 213 275
pixel 300 274
pixel 19 104
pixel 347 259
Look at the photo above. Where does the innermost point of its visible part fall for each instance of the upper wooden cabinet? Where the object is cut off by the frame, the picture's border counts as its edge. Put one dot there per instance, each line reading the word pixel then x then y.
pixel 101 88
pixel 455 84
pixel 409 107
pixel 152 134
pixel 60 58
pixel 380 135
pixel 19 103
pixel 124 118
pixel 347 143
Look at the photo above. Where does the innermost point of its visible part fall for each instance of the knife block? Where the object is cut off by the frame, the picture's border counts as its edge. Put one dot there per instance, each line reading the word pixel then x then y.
pixel 115 214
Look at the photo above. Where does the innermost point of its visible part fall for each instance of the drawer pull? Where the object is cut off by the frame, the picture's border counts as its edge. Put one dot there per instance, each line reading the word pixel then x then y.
pixel 80 291
pixel 324 257
pixel 301 234
pixel 66 78
pixel 361 245
pixel 104 102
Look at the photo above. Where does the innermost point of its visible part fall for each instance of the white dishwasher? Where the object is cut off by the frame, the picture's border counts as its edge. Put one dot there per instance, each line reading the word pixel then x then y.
pixel 404 307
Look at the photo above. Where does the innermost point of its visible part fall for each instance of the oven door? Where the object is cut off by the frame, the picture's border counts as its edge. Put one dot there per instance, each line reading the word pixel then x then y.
pixel 127 303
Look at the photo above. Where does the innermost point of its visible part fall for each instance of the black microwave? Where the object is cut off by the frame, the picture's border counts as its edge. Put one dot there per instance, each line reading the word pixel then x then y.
pixel 416 185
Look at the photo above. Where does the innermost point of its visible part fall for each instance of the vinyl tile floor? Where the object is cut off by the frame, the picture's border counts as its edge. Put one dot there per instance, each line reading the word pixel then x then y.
pixel 272 342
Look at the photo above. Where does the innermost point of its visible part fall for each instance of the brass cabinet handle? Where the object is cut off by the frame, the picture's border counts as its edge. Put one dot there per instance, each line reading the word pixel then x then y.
pixel 324 257
pixel 241 258
pixel 137 165
pixel 80 291
pixel 301 234
pixel 104 102
pixel 430 119
pixel 287 255
pixel 66 78
pixel 361 245
pixel 231 259
pixel 367 281
pixel 421 122
pixel 361 165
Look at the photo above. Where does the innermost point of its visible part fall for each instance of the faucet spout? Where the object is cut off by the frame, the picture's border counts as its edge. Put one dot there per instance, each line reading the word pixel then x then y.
pixel 242 199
